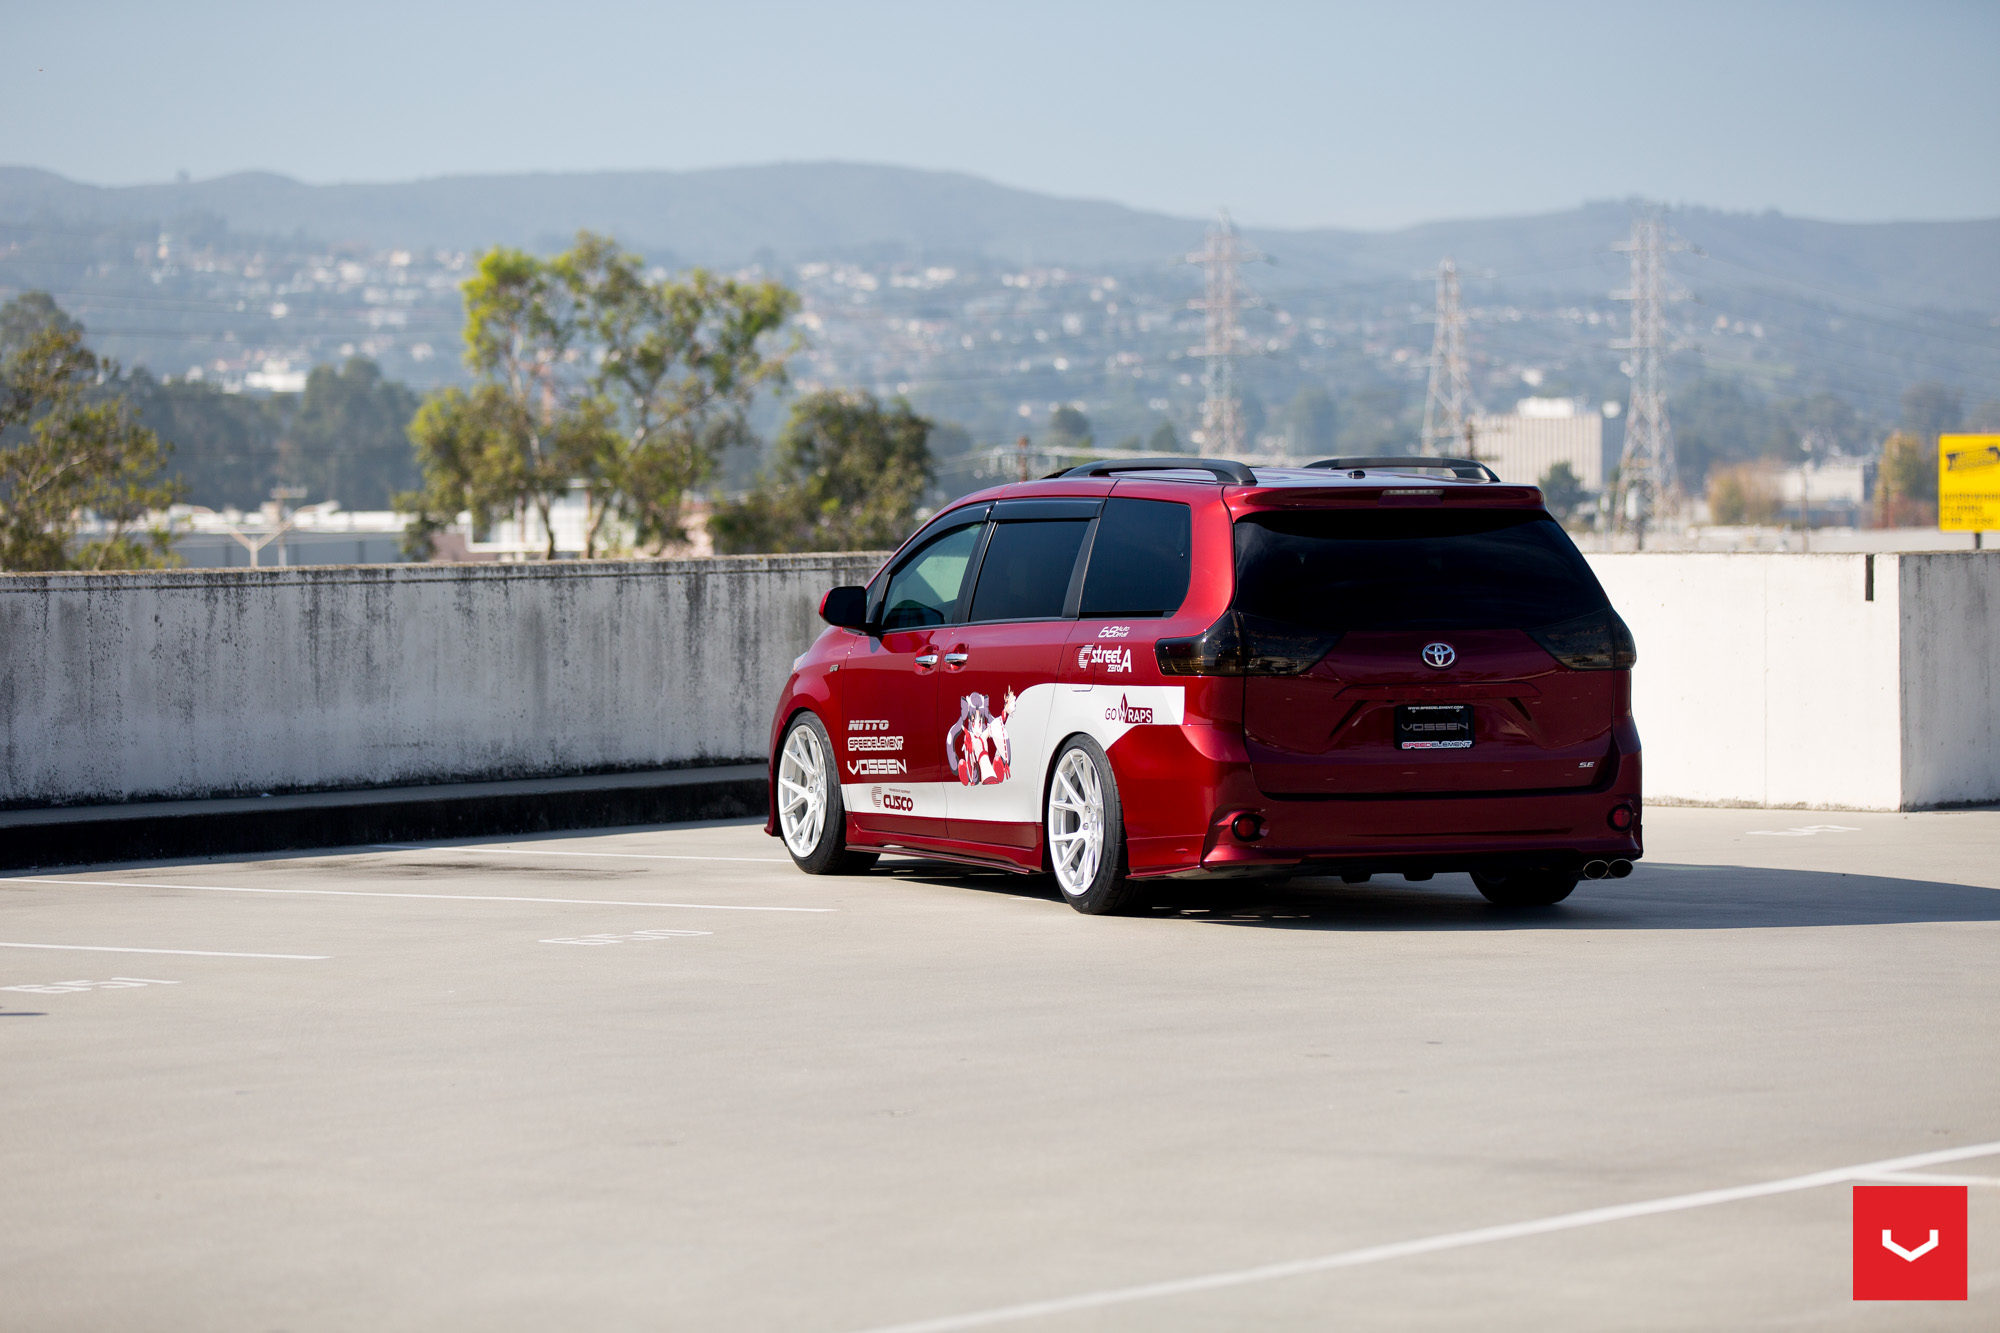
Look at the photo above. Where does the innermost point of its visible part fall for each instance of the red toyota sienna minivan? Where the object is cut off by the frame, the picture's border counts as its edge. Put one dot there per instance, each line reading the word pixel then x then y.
pixel 1176 668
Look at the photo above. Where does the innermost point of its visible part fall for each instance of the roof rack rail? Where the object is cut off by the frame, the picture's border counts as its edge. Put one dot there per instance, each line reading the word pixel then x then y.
pixel 1223 468
pixel 1466 469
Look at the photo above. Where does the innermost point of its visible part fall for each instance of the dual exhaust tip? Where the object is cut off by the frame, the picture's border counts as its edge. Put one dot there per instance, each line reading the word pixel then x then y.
pixel 1617 869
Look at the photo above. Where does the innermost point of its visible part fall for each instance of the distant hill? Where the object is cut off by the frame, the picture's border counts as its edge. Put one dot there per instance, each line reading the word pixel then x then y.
pixel 796 211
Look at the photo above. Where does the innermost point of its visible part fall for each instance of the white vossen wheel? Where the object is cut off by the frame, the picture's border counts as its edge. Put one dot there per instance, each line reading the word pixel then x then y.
pixel 1085 829
pixel 810 814
pixel 1076 823
pixel 802 785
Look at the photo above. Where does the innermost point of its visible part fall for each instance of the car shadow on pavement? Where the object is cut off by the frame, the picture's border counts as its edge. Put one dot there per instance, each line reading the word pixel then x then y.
pixel 1660 896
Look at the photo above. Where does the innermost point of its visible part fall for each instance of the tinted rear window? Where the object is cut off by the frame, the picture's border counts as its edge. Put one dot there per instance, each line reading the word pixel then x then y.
pixel 1139 560
pixel 1026 572
pixel 1435 570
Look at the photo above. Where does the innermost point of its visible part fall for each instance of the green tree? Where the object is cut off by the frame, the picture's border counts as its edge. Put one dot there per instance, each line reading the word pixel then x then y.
pixel 228 447
pixel 69 447
pixel 680 361
pixel 848 477
pixel 589 370
pixel 1164 439
pixel 1562 491
pixel 1741 494
pixel 350 439
pixel 1931 409
pixel 1069 428
pixel 1311 423
pixel 1906 492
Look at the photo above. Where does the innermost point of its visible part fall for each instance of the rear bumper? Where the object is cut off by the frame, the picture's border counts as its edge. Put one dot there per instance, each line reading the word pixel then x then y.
pixel 1411 834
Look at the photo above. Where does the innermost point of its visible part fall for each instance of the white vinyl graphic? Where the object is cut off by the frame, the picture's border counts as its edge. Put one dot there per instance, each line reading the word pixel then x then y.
pixel 1000 756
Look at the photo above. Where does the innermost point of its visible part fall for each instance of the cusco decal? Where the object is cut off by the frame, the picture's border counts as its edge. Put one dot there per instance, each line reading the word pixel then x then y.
pixel 892 799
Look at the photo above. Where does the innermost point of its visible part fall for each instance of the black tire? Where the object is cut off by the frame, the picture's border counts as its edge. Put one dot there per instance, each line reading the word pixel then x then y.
pixel 1536 886
pixel 1105 890
pixel 821 850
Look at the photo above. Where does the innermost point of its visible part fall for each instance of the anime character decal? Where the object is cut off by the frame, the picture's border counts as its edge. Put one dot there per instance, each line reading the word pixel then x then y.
pixel 977 745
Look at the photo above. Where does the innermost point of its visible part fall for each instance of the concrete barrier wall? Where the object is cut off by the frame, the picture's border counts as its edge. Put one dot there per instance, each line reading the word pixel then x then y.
pixel 1840 681
pixel 1787 680
pixel 202 683
pixel 1950 678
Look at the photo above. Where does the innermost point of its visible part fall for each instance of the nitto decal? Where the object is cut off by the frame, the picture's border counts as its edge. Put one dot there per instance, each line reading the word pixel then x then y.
pixel 888 798
pixel 867 724
pixel 855 744
pixel 1114 631
pixel 879 768
pixel 1115 660
pixel 1129 715
pixel 977 746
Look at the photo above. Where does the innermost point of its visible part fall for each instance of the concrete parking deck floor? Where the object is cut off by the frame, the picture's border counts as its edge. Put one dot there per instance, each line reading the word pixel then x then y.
pixel 657 1079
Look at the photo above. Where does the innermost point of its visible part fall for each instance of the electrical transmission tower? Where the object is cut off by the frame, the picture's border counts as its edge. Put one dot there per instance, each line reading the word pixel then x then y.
pixel 1448 407
pixel 1222 302
pixel 1647 477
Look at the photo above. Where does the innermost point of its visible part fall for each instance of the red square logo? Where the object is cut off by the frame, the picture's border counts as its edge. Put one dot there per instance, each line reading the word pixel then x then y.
pixel 1909 1242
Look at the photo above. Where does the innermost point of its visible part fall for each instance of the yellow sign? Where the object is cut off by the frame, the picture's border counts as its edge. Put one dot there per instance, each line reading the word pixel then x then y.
pixel 1969 483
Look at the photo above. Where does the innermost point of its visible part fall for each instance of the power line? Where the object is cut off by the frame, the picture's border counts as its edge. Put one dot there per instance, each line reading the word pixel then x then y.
pixel 1448 404
pixel 1647 475
pixel 1222 303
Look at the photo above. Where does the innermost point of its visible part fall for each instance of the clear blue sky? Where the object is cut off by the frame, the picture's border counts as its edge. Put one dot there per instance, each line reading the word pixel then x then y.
pixel 1365 115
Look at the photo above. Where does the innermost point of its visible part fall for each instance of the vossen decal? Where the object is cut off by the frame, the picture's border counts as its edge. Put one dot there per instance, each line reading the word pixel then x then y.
pixel 889 798
pixel 1129 714
pixel 856 744
pixel 1114 631
pixel 877 768
pixel 867 724
pixel 1115 660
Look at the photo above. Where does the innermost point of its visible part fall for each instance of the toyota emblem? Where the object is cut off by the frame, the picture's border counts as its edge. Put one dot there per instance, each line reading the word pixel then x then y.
pixel 1439 655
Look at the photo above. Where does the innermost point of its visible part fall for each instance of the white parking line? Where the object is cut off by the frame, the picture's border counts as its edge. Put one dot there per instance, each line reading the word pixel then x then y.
pixel 1923 1178
pixel 190 953
pixel 372 893
pixel 535 851
pixel 1430 1244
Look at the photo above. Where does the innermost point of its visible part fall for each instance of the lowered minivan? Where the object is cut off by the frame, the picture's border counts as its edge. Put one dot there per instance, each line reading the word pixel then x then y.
pixel 1158 669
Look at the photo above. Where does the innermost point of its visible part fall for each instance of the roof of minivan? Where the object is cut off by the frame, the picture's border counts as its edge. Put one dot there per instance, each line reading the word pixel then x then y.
pixel 1275 482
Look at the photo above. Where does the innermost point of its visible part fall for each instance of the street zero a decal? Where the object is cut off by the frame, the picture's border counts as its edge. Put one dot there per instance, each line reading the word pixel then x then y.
pixel 977 746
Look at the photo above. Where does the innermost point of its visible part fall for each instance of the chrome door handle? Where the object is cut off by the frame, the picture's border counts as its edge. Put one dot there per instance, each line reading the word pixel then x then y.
pixel 927 660
pixel 954 659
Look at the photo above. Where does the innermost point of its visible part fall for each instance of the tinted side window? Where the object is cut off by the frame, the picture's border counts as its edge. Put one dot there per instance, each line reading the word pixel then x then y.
pixel 925 591
pixel 1026 572
pixel 1139 562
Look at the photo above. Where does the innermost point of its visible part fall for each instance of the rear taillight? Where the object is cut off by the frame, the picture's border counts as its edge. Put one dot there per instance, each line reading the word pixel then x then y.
pixel 1241 645
pixel 1596 642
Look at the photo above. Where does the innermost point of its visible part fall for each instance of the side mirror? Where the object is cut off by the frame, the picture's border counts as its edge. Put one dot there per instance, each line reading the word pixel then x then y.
pixel 846 608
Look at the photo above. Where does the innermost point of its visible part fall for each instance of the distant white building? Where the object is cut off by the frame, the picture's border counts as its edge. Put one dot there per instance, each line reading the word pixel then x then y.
pixel 1833 490
pixel 1524 444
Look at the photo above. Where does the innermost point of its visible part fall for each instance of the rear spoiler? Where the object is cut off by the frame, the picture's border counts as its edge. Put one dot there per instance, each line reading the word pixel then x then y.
pixel 1465 469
